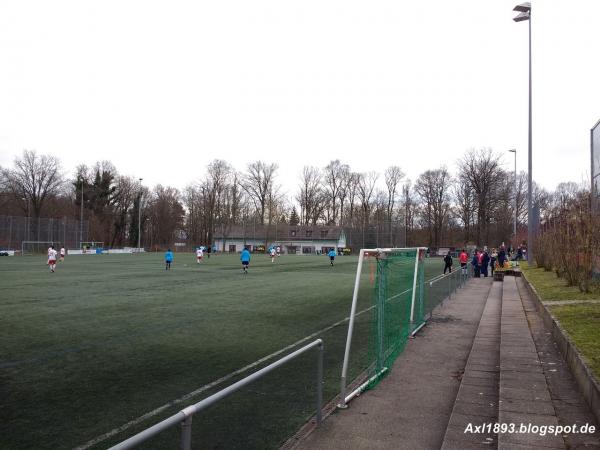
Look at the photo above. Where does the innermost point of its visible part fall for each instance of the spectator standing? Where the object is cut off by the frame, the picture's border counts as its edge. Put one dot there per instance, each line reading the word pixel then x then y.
pixel 464 259
pixel 448 263
pixel 493 260
pixel 475 264
pixel 485 262
pixel 501 257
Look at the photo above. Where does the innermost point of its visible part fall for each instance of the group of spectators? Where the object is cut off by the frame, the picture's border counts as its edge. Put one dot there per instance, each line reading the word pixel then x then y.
pixel 483 261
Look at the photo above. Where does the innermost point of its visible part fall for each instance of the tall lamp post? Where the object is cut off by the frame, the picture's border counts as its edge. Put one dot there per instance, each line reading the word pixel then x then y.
pixel 81 214
pixel 514 150
pixel 140 218
pixel 524 10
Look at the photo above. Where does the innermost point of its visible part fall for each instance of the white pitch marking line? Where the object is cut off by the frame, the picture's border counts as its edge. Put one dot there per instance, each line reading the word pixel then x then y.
pixel 208 386
pixel 158 410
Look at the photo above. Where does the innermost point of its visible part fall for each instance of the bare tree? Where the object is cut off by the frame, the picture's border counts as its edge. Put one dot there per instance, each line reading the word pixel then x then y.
pixel 166 216
pixel 464 201
pixel 258 183
pixel 432 187
pixel 34 179
pixel 408 207
pixel 393 176
pixel 311 195
pixel 364 188
pixel 333 180
pixel 344 190
pixel 123 199
pixel 481 168
pixel 215 185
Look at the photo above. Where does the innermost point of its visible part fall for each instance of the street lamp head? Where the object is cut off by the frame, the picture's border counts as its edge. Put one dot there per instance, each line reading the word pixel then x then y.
pixel 513 150
pixel 523 7
pixel 522 17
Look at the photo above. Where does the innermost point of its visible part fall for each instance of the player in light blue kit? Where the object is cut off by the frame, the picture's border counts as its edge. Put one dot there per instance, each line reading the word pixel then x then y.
pixel 331 255
pixel 245 258
pixel 168 259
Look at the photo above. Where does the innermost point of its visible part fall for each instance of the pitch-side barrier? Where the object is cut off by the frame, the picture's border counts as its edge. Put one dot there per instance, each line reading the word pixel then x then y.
pixel 184 417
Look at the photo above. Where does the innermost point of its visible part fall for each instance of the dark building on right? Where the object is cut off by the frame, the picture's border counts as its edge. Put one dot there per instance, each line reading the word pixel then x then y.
pixel 595 151
pixel 595 176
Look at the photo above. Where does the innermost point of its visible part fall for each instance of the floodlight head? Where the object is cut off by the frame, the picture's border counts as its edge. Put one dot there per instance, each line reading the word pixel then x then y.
pixel 522 17
pixel 523 7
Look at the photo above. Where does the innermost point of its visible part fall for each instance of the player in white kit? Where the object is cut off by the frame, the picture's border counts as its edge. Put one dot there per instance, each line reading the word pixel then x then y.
pixel 52 258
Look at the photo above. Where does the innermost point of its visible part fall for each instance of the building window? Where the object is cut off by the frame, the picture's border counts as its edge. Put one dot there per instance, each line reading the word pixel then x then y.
pixel 308 233
pixel 293 233
pixel 324 233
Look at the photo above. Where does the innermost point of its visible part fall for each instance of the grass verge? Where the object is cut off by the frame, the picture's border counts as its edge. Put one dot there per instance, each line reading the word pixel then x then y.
pixel 550 287
pixel 582 323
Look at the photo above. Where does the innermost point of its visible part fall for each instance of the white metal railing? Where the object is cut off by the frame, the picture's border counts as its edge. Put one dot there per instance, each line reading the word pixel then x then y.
pixel 184 417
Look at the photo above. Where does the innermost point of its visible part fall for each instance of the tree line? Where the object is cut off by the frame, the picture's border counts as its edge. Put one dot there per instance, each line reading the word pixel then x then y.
pixel 475 204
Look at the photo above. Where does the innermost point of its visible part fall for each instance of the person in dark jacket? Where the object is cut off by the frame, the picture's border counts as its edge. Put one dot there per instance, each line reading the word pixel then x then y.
pixel 501 257
pixel 493 259
pixel 475 264
pixel 448 261
pixel 485 262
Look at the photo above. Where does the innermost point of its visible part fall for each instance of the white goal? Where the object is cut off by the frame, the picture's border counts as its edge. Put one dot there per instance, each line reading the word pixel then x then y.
pixel 38 247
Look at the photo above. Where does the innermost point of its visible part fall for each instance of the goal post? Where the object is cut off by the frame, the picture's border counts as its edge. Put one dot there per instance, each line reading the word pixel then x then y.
pixel 91 245
pixel 37 247
pixel 397 308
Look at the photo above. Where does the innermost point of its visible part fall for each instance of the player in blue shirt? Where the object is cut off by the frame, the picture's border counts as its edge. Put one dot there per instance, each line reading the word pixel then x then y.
pixel 245 258
pixel 168 259
pixel 331 255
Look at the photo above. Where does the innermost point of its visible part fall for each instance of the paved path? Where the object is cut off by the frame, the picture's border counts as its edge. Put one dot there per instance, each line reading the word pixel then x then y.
pixel 410 408
pixel 484 358
pixel 477 400
pixel 524 394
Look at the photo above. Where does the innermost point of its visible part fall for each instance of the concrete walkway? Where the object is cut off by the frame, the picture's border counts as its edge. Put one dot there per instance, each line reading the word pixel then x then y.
pixel 477 400
pixel 524 395
pixel 410 408
pixel 484 358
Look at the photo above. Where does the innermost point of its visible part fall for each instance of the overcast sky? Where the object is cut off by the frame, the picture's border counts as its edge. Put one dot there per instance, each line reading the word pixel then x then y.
pixel 162 88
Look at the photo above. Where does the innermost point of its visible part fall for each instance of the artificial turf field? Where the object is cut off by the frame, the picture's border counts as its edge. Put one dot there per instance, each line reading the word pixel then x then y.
pixel 109 338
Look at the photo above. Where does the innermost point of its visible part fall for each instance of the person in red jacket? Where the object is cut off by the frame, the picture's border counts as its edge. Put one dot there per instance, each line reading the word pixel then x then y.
pixel 464 259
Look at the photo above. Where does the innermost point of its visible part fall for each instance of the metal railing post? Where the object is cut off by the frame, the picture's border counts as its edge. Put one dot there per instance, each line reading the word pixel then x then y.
pixel 186 433
pixel 320 383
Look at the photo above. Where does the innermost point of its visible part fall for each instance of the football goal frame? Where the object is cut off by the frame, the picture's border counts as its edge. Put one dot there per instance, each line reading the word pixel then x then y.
pixel 91 244
pixel 419 256
pixel 41 245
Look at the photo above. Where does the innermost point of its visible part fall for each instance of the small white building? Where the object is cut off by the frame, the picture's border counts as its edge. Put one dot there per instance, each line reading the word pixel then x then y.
pixel 292 239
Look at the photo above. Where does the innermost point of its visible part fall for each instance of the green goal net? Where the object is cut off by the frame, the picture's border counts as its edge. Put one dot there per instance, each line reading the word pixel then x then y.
pixel 395 283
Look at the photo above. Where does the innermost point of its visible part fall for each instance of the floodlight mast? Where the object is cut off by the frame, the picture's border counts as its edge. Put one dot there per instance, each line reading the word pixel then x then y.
pixel 524 10
pixel 140 217
pixel 514 150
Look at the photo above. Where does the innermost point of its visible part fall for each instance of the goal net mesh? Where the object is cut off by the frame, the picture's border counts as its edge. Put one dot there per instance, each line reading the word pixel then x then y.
pixel 393 296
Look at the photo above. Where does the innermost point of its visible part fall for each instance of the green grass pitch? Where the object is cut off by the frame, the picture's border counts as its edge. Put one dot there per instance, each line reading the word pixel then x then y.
pixel 108 338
